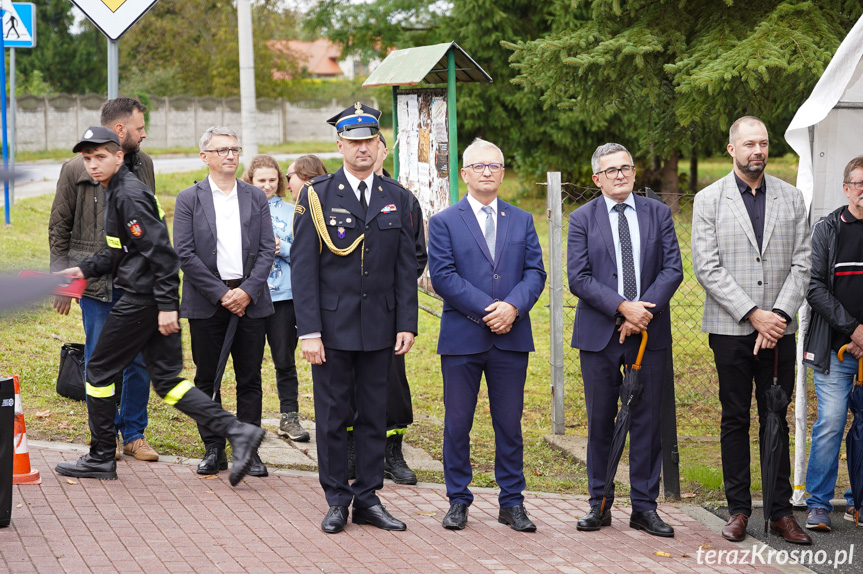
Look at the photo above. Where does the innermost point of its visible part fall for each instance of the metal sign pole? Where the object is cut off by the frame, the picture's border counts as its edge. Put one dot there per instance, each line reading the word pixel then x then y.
pixel 6 197
pixel 395 151
pixel 12 134
pixel 113 69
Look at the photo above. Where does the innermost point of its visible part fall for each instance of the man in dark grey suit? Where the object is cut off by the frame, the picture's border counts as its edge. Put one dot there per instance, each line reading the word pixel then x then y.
pixel 224 239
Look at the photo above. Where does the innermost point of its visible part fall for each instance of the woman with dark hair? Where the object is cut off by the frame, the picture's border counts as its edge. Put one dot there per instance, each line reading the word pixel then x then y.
pixel 302 170
pixel 264 172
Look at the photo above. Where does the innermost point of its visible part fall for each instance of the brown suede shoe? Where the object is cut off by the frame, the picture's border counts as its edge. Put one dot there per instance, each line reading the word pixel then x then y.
pixel 787 528
pixel 141 450
pixel 735 529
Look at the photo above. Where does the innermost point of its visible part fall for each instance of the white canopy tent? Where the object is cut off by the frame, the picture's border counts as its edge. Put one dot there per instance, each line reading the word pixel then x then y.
pixel 827 133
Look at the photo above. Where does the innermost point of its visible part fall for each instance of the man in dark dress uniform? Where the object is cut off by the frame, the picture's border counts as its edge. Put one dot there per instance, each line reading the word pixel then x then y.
pixel 353 256
pixel 144 320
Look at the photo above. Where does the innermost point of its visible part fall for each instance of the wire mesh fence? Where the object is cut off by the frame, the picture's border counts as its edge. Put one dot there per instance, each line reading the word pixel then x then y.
pixel 696 383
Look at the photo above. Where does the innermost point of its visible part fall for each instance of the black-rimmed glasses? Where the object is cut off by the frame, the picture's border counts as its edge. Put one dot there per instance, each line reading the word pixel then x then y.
pixel 480 167
pixel 858 185
pixel 224 151
pixel 611 173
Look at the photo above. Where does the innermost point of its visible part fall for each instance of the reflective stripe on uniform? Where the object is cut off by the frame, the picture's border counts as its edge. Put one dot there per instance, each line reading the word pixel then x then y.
pixel 178 392
pixel 393 432
pixel 159 207
pixel 114 242
pixel 99 392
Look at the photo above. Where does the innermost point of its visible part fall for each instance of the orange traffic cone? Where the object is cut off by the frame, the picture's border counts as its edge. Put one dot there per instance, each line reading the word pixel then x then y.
pixel 21 471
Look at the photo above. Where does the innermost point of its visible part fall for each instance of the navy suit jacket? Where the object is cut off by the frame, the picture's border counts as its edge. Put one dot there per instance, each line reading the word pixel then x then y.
pixel 592 271
pixel 465 276
pixel 358 302
pixel 195 244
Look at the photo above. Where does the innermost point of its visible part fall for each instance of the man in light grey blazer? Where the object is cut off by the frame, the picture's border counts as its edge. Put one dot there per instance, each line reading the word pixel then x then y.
pixel 750 251
pixel 224 238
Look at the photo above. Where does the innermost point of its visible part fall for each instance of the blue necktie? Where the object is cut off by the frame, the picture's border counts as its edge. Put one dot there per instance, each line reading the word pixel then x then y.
pixel 630 287
pixel 490 233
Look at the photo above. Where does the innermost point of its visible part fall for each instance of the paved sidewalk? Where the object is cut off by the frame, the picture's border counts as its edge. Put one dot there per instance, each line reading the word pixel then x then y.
pixel 162 517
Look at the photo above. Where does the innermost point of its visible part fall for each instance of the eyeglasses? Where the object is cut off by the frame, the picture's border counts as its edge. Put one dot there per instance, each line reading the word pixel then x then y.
pixel 858 185
pixel 224 151
pixel 480 167
pixel 611 173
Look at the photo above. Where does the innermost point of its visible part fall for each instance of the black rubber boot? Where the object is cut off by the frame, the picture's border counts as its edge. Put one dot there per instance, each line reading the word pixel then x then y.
pixel 395 466
pixel 245 439
pixel 100 462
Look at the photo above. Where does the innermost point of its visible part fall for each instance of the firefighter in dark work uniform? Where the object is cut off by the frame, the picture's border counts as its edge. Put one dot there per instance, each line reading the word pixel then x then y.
pixel 353 265
pixel 144 320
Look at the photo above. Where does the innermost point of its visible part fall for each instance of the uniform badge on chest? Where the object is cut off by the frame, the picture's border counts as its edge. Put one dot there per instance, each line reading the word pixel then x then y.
pixel 341 231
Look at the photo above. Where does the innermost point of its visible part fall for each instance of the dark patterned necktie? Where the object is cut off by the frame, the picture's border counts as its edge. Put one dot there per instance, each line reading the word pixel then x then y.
pixel 630 288
pixel 363 204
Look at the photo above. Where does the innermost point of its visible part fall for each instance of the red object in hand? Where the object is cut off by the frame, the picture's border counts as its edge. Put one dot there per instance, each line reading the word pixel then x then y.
pixel 65 286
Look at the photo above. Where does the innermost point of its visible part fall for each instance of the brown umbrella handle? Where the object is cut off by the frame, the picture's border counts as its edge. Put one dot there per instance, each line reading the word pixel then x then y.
pixel 841 355
pixel 637 365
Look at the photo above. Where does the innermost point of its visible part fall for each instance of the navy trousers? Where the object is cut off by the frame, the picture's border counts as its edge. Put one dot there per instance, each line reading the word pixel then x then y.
pixel 602 372
pixel 505 373
pixel 363 374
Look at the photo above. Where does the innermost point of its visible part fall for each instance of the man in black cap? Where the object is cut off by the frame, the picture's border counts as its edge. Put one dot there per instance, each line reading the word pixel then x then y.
pixel 353 253
pixel 144 320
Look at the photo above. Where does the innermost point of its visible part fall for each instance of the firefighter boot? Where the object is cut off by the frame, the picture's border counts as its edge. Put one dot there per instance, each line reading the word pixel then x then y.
pixel 99 462
pixel 245 439
pixel 395 467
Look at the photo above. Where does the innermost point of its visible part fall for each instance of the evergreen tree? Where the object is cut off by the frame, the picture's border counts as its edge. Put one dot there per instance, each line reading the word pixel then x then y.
pixel 676 74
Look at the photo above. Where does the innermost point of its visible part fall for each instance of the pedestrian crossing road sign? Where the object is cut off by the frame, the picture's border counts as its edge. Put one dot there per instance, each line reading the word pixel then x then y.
pixel 114 17
pixel 19 24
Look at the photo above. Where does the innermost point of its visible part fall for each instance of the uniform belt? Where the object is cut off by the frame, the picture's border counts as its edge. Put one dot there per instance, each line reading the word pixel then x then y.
pixel 232 283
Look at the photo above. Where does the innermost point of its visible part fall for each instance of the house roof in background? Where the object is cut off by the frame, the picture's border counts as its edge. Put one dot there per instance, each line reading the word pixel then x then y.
pixel 319 58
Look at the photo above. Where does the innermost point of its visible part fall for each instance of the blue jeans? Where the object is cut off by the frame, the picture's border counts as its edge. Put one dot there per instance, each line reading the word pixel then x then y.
pixel 832 391
pixel 131 419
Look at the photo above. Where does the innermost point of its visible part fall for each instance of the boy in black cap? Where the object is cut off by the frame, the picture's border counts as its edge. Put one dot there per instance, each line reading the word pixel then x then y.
pixel 354 255
pixel 145 319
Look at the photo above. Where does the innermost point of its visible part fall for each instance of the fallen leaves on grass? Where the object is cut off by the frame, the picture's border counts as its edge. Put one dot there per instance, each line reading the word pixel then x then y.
pixel 687 495
pixel 42 414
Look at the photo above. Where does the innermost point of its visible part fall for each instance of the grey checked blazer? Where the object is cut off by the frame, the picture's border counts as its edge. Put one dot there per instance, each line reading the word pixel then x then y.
pixel 735 276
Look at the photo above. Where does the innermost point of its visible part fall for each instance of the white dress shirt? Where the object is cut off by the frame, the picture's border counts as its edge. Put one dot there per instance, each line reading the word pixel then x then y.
pixel 476 206
pixel 354 182
pixel 229 235
pixel 634 235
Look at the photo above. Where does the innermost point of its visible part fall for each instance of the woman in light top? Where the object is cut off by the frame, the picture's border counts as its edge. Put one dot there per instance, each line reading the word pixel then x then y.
pixel 264 172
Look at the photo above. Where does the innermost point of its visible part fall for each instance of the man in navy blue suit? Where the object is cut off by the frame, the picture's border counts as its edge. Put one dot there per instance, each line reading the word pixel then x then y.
pixel 486 263
pixel 623 264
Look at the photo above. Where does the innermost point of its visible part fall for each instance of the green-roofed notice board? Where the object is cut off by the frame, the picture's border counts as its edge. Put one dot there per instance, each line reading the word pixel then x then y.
pixel 424 118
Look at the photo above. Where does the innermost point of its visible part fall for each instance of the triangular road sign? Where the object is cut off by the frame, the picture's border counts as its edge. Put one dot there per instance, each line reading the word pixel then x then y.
pixel 114 17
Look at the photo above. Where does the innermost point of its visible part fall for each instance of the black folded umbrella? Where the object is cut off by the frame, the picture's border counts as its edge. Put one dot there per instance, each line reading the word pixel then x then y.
pixel 854 438
pixel 630 393
pixel 775 401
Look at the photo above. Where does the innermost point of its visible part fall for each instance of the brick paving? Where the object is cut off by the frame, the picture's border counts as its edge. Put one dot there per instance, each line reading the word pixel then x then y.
pixel 162 517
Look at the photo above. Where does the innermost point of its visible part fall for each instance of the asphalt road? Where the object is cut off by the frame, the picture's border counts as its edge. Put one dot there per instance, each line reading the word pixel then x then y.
pixel 39 178
pixel 837 551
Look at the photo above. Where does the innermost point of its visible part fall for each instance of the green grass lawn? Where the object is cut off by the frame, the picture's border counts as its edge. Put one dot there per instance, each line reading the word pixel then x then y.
pixel 30 341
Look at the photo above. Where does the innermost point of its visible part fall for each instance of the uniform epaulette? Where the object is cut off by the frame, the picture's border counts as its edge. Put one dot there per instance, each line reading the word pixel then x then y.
pixel 395 181
pixel 320 178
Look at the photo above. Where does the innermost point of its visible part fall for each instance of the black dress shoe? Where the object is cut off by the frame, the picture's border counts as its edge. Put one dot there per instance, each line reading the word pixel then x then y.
pixel 245 440
pixel 257 467
pixel 335 520
pixel 88 467
pixel 214 460
pixel 516 517
pixel 593 520
pixel 456 517
pixel 650 522
pixel 378 516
